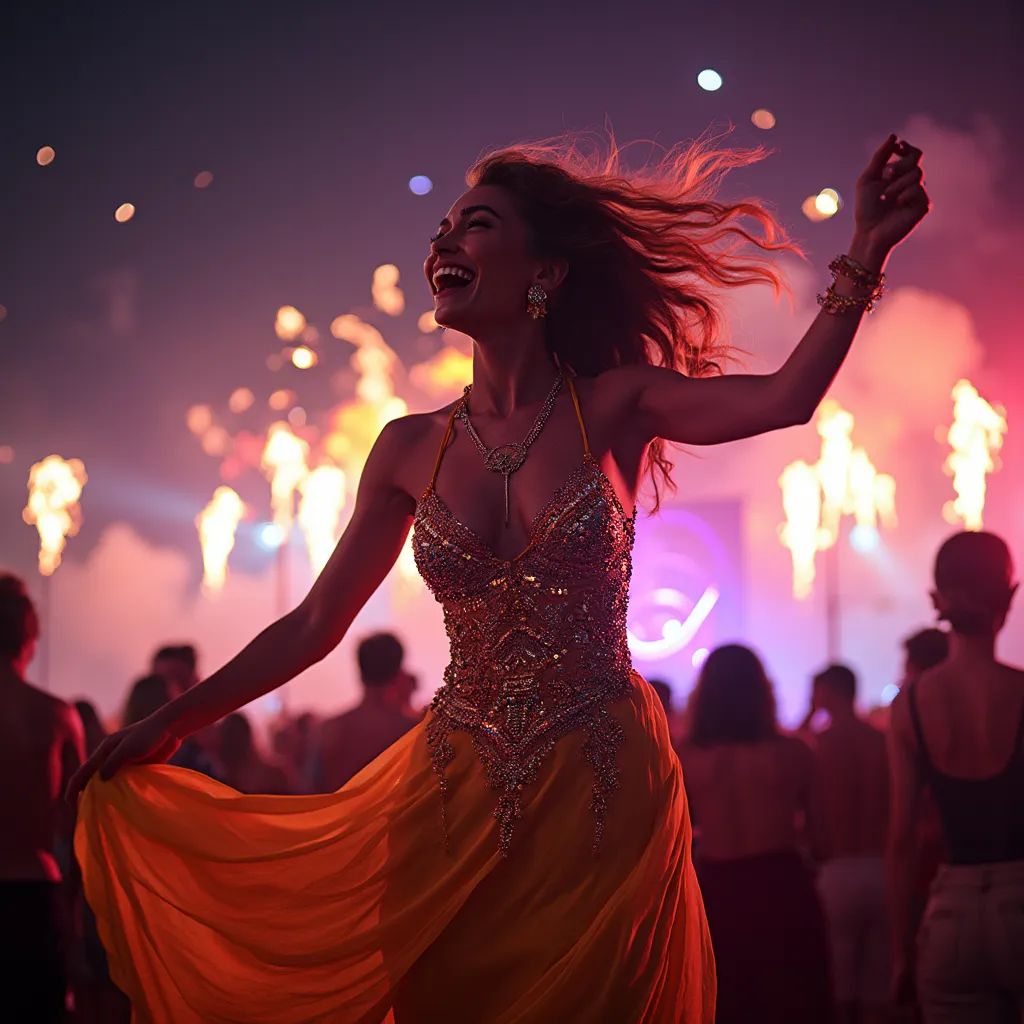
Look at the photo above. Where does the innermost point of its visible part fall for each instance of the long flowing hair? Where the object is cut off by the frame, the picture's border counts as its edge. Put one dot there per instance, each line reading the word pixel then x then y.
pixel 733 701
pixel 647 249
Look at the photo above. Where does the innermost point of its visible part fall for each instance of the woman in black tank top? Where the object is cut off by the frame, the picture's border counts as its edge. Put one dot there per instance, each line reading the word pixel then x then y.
pixel 959 731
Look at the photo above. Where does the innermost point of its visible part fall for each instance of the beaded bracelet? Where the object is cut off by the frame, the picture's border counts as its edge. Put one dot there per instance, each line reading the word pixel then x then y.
pixel 832 302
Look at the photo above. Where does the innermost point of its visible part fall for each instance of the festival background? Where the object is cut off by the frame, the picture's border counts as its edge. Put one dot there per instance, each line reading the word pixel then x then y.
pixel 270 154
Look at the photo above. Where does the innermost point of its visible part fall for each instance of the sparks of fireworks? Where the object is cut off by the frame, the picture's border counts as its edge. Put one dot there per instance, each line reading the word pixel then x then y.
pixel 54 487
pixel 217 524
pixel 284 463
pixel 843 481
pixel 323 497
pixel 387 296
pixel 975 435
pixel 834 427
pixel 802 532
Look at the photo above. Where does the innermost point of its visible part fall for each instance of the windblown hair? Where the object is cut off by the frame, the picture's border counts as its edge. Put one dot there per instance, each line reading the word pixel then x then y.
pixel 646 251
pixel 974 574
pixel 733 700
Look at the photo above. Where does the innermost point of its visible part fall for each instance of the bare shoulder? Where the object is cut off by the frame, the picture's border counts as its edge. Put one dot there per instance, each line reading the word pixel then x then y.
pixel 409 444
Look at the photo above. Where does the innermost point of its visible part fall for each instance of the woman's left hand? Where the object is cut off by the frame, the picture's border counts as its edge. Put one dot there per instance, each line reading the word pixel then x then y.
pixel 891 200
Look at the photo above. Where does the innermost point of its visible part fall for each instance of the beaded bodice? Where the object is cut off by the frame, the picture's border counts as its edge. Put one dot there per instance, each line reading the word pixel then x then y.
pixel 538 641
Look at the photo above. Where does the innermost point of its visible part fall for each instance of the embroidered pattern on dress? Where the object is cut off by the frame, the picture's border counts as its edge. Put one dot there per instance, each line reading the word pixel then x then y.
pixel 538 642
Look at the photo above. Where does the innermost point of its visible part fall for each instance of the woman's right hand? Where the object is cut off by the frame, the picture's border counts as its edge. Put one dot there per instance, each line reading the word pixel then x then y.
pixel 147 742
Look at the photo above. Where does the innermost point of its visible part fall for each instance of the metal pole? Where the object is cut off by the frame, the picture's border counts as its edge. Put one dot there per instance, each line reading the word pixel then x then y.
pixel 45 653
pixel 833 624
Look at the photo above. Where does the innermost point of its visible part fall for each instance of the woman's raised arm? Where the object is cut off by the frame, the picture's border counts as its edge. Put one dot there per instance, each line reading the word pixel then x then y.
pixel 364 555
pixel 890 203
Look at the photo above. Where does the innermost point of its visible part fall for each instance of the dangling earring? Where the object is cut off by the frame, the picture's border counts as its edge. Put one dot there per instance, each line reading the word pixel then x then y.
pixel 537 302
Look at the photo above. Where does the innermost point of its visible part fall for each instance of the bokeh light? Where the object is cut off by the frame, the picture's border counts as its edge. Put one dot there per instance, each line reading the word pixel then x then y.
pixel 241 399
pixel 203 179
pixel 709 80
pixel 387 296
pixel 281 399
pixel 297 416
pixel 426 324
pixel 763 119
pixel 826 202
pixel 289 324
pixel 420 185
pixel 124 213
pixel 6 454
pixel 809 208
pixel 699 656
pixel 199 418
pixel 269 536
pixel 304 358
pixel 45 155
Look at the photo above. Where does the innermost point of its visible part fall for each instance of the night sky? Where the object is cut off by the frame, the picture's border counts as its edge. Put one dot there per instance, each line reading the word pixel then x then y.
pixel 312 117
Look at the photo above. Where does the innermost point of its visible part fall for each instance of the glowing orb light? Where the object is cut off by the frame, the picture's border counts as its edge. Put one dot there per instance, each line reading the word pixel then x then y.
pixel 826 202
pixel 289 323
pixel 709 80
pixel 420 185
pixel 54 487
pixel 124 213
pixel 45 155
pixel 203 179
pixel 763 119
pixel 269 536
pixel 304 358
pixel 241 399
pixel 864 539
pixel 199 418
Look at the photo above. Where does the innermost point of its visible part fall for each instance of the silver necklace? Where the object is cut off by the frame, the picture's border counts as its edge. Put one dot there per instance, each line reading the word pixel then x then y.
pixel 507 458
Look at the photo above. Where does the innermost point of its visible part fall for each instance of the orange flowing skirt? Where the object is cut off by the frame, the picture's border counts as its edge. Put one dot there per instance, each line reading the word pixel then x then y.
pixel 219 907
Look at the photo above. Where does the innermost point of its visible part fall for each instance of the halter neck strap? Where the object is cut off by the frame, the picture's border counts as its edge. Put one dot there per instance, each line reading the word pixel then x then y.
pixel 443 446
pixel 579 412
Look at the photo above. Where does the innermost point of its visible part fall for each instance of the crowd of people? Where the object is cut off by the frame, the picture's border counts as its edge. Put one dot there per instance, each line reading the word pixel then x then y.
pixel 864 867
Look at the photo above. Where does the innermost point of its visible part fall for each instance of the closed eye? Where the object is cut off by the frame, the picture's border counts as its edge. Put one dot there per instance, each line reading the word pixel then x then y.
pixel 471 224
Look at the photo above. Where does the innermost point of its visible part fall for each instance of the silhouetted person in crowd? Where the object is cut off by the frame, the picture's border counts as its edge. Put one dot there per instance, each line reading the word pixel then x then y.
pixel 179 664
pixel 41 746
pixel 147 695
pixel 243 766
pixel 854 774
pixel 958 731
pixel 754 800
pixel 350 741
pixel 294 741
pixel 94 731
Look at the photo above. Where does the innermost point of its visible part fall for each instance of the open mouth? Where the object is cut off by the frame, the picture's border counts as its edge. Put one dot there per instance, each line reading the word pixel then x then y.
pixel 451 279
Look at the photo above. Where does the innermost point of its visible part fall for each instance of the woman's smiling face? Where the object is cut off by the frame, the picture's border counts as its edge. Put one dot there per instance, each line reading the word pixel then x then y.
pixel 483 244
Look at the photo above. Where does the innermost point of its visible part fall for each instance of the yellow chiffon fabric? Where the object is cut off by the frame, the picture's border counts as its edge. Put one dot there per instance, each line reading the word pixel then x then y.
pixel 219 907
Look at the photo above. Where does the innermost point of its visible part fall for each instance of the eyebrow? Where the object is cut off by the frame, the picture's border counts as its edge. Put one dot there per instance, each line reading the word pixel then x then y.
pixel 466 211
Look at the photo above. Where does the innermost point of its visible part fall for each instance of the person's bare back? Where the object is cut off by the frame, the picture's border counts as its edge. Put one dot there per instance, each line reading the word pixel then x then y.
pixel 854 775
pixel 751 798
pixel 41 745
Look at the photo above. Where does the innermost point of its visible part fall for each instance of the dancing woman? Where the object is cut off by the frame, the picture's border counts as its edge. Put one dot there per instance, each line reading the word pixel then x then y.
pixel 524 853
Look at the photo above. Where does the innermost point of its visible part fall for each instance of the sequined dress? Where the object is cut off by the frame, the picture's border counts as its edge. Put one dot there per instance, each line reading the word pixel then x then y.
pixel 521 856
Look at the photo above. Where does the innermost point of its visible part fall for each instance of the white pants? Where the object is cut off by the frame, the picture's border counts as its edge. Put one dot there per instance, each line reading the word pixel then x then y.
pixel 853 892
pixel 970 949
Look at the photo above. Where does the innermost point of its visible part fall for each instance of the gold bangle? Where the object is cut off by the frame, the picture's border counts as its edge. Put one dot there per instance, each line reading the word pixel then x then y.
pixel 832 302
pixel 856 272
